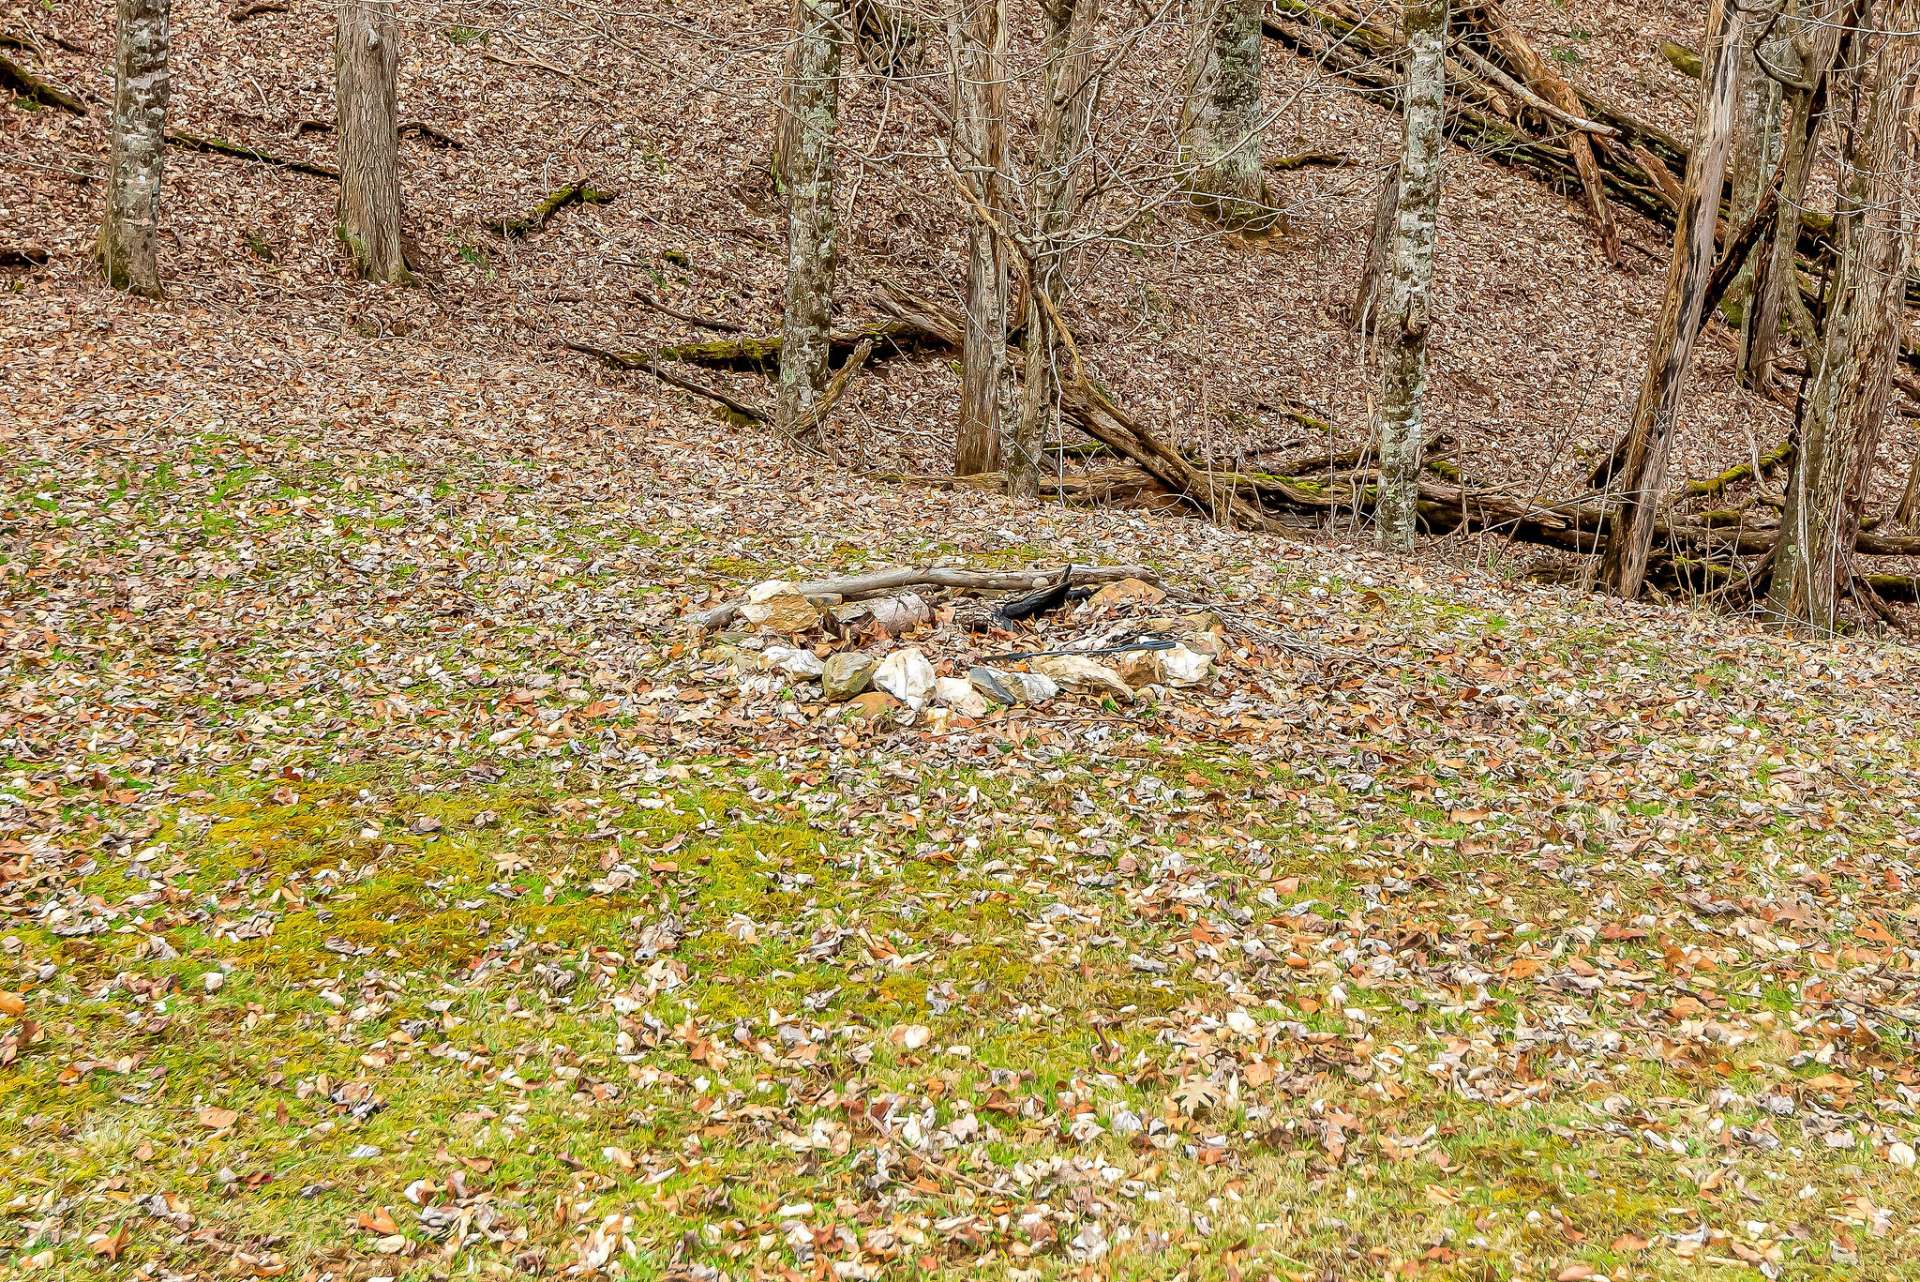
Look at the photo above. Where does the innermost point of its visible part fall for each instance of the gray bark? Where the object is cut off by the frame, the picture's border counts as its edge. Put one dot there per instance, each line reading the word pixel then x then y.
pixel 366 64
pixel 137 129
pixel 1806 60
pixel 1846 398
pixel 1221 125
pixel 1073 90
pixel 1373 273
pixel 978 35
pixel 1400 336
pixel 1756 128
pixel 1643 471
pixel 812 95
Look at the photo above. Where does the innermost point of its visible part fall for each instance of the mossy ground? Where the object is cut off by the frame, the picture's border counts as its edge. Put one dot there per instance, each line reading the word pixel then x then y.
pixel 561 1003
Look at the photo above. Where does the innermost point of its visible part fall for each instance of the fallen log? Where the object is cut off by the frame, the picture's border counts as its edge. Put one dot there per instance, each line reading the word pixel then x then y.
pixel 1366 54
pixel 25 84
pixel 1712 486
pixel 861 587
pixel 830 395
pixel 1090 409
pixel 629 361
pixel 1492 20
pixel 907 322
pixel 577 192
pixel 241 151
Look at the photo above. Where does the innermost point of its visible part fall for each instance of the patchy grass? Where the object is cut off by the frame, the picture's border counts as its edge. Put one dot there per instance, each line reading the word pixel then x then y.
pixel 392 889
pixel 716 1030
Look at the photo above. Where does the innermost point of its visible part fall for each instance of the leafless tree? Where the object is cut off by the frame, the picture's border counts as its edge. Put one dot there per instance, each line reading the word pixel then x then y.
pixel 1643 471
pixel 812 98
pixel 366 62
pixel 1846 398
pixel 137 129
pixel 978 42
pixel 1802 62
pixel 1222 125
pixel 1072 91
pixel 1400 332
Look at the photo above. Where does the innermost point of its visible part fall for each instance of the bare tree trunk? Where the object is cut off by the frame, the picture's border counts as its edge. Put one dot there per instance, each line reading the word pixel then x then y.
pixel 1221 125
pixel 1756 129
pixel 1386 208
pixel 1806 59
pixel 366 62
pixel 813 115
pixel 1072 90
pixel 1643 471
pixel 1846 398
pixel 1400 338
pixel 978 34
pixel 137 131
pixel 782 113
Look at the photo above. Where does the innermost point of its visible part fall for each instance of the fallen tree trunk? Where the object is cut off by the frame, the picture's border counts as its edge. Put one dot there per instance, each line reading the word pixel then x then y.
pixel 25 84
pixel 241 151
pixel 1492 19
pixel 630 361
pixel 1638 163
pixel 762 353
pixel 861 587
pixel 578 192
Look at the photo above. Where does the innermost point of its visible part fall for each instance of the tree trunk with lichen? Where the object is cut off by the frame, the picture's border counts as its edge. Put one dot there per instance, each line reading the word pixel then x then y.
pixel 366 63
pixel 1757 140
pixel 1806 58
pixel 1400 335
pixel 1643 470
pixel 977 31
pixel 1221 125
pixel 1072 91
pixel 1846 397
pixel 812 98
pixel 129 230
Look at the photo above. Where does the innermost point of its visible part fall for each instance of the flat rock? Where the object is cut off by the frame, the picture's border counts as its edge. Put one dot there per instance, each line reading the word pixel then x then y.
pixel 871 706
pixel 843 676
pixel 785 613
pixel 1001 686
pixel 1077 672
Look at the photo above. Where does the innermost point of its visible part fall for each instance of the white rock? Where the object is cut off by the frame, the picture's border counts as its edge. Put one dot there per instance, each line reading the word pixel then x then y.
pixel 960 696
pixel 793 661
pixel 1183 667
pixel 907 676
pixel 1901 1155
pixel 767 591
pixel 213 981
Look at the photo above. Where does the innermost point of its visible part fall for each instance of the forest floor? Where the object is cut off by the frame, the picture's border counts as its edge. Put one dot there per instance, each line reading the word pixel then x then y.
pixel 391 888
